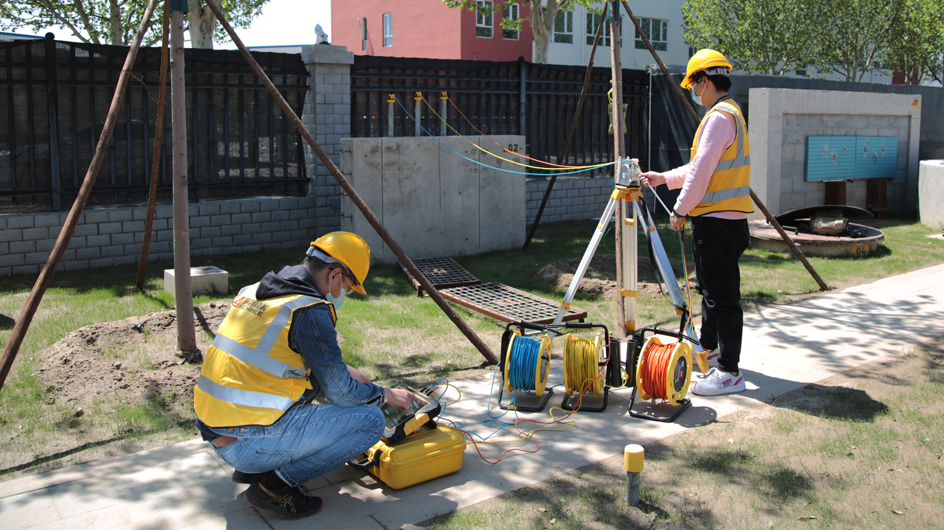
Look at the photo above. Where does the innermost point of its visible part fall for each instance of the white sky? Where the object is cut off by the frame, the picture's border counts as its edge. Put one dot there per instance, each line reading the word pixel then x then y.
pixel 282 22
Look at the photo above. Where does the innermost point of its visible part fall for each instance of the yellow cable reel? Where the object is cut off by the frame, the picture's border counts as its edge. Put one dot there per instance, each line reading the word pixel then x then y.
pixel 672 386
pixel 582 358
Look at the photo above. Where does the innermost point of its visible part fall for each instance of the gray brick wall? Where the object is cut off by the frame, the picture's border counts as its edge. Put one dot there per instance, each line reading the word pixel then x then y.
pixel 109 237
pixel 571 199
pixel 327 115
pixel 797 193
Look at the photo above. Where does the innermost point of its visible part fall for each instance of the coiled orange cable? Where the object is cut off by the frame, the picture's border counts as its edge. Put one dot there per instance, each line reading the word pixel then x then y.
pixel 655 368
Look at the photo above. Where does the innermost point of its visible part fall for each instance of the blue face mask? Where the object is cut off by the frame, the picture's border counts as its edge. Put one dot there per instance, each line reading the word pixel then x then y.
pixel 696 99
pixel 336 302
pixel 339 301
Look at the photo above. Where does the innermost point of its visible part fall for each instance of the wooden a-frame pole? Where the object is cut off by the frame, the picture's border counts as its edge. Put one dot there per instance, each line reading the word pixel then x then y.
pixel 68 228
pixel 354 196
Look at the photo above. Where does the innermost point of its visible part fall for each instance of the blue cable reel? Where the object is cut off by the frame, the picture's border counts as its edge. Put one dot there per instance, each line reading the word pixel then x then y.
pixel 524 364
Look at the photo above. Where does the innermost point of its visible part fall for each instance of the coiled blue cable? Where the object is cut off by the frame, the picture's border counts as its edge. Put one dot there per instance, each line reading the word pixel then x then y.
pixel 524 359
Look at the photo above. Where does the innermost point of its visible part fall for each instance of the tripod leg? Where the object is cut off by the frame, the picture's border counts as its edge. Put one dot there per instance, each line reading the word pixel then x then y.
pixel 587 256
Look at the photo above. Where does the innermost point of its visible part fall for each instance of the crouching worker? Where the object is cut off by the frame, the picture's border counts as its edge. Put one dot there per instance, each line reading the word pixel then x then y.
pixel 276 348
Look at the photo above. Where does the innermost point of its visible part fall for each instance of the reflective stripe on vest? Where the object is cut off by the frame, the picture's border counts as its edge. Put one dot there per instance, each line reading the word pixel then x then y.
pixel 263 362
pixel 244 397
pixel 729 188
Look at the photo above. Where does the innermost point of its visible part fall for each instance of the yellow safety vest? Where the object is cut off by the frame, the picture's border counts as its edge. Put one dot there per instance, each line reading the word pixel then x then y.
pixel 730 186
pixel 251 376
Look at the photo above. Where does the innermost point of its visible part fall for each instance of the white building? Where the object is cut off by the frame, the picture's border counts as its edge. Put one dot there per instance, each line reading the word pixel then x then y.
pixel 662 21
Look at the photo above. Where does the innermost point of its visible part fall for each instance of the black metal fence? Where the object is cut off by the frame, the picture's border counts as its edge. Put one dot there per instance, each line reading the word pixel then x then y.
pixel 54 97
pixel 537 101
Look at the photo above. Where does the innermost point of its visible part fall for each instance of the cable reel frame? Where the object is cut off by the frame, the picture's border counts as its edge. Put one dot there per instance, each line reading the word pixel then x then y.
pixel 542 367
pixel 613 377
pixel 677 378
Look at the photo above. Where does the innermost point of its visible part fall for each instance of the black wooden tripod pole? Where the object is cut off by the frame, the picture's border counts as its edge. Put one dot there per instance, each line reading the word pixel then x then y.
pixel 55 256
pixel 355 198
pixel 770 218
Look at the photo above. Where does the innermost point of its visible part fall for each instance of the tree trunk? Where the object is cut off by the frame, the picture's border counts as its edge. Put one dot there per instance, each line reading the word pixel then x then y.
pixel 201 22
pixel 542 24
pixel 114 24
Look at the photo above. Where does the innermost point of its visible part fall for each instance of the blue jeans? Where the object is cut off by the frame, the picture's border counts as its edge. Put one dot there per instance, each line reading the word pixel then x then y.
pixel 308 441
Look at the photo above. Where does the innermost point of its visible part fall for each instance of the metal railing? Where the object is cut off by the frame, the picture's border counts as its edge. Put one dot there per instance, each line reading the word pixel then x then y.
pixel 54 97
pixel 512 98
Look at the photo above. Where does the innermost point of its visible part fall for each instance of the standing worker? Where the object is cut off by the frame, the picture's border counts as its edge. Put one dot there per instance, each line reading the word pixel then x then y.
pixel 274 350
pixel 716 187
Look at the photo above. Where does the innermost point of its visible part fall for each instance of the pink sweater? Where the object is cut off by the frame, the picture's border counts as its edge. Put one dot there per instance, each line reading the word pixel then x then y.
pixel 717 134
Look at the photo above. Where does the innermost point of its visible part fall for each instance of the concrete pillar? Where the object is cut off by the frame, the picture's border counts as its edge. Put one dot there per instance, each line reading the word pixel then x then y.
pixel 327 114
pixel 931 193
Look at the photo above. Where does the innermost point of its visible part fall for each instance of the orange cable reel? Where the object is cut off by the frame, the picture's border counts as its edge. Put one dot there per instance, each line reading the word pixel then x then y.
pixel 664 371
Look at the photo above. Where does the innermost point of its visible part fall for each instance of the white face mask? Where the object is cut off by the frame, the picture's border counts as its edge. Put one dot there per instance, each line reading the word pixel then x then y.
pixel 339 301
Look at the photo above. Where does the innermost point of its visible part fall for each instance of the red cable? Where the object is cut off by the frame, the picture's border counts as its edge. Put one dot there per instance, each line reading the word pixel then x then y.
pixel 655 369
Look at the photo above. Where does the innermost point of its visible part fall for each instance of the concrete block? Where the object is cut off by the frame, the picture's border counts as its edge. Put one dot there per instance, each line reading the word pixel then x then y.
pixel 203 280
pixel 834 120
pixel 199 221
pixel 261 217
pixel 49 219
pixel 878 121
pixel 123 214
pixel 109 228
pixel 249 207
pixel 11 234
pixel 130 227
pixel 222 242
pixel 96 216
pixel 125 260
pixel 230 230
pixel 35 258
pixel 241 218
pixel 208 209
pixel 931 193
pixel 200 243
pixel 210 231
pixel 9 260
pixel 262 238
pixel 88 253
pixel 21 247
pixel 37 233
pixel 98 241
pixel 242 239
pixel 26 269
pixel 229 207
pixel 268 205
pixel 808 120
pixel 112 251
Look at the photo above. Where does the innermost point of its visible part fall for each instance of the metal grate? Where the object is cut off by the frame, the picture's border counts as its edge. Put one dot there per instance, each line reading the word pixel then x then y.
pixel 508 304
pixel 442 273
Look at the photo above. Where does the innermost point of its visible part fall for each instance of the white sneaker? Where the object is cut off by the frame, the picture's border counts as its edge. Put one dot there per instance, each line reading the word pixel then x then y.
pixel 717 382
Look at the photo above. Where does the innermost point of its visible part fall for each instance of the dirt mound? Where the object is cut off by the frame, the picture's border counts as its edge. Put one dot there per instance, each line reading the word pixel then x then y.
pixel 84 365
pixel 600 277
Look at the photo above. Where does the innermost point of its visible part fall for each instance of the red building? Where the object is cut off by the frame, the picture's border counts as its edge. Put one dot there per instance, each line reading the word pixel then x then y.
pixel 429 29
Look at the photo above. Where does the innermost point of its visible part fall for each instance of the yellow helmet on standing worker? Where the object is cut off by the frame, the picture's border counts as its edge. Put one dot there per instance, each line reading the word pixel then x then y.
pixel 347 249
pixel 704 60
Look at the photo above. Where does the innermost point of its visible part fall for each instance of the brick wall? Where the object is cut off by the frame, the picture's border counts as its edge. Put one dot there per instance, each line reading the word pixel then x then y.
pixel 796 193
pixel 108 237
pixel 571 199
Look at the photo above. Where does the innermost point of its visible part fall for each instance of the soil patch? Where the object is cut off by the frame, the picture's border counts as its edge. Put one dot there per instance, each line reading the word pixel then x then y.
pixel 83 366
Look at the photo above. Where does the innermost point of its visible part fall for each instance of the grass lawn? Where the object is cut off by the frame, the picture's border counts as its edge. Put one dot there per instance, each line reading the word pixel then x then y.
pixel 391 335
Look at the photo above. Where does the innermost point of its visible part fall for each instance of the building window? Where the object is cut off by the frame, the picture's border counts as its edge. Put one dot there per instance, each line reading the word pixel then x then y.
pixel 483 19
pixel 364 34
pixel 388 29
pixel 657 31
pixel 592 22
pixel 564 26
pixel 509 12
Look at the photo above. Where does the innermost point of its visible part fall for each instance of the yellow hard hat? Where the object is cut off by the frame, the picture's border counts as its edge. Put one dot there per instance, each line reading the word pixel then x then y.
pixel 347 249
pixel 710 60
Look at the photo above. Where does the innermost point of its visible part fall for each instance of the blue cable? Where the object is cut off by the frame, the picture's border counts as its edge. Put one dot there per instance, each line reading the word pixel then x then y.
pixel 524 358
pixel 493 167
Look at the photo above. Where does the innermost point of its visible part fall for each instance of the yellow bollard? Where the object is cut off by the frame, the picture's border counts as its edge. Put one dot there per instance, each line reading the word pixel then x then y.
pixel 633 457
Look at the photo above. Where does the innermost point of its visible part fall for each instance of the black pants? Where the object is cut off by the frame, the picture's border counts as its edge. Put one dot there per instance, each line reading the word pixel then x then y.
pixel 719 244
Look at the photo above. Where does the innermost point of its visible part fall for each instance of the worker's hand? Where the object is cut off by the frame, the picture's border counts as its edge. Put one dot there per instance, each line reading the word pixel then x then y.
pixel 652 178
pixel 357 375
pixel 399 398
pixel 676 221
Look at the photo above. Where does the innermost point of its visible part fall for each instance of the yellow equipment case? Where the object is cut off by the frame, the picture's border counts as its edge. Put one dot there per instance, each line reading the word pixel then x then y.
pixel 434 451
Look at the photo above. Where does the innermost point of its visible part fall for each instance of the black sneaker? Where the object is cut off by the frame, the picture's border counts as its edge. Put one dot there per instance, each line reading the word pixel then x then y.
pixel 288 503
pixel 246 478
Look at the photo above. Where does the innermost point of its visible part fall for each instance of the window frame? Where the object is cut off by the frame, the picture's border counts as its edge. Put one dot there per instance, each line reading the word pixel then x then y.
pixel 486 21
pixel 661 44
pixel 605 38
pixel 507 33
pixel 388 37
pixel 564 19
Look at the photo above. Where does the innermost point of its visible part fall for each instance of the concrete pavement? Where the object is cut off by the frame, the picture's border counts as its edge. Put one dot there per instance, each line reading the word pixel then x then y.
pixel 186 486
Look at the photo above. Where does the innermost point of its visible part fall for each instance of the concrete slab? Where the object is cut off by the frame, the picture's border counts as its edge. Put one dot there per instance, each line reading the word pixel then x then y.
pixel 186 486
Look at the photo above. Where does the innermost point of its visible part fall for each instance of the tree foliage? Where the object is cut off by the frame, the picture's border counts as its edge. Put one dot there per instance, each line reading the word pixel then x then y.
pixel 116 21
pixel 848 38
pixel 541 16
pixel 916 47
pixel 766 36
